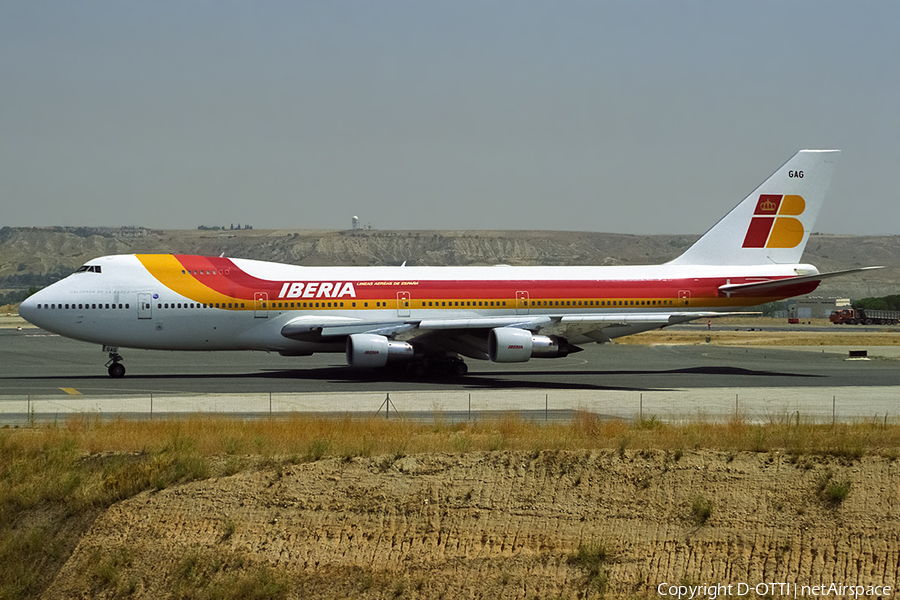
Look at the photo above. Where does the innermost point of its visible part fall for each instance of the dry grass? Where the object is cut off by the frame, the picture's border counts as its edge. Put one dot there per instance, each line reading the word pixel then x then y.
pixel 53 479
pixel 198 446
pixel 839 337
pixel 731 331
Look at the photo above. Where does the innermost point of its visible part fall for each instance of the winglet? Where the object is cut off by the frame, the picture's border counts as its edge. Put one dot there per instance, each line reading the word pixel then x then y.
pixel 771 225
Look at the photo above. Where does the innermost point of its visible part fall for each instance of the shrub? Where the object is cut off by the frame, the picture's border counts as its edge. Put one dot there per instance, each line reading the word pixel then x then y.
pixel 701 509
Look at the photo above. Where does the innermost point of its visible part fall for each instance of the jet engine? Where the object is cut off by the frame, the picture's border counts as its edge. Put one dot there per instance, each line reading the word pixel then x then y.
pixel 366 350
pixel 508 344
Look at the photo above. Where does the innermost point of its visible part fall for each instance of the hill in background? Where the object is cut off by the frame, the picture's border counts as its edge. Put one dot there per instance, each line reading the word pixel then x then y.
pixel 35 257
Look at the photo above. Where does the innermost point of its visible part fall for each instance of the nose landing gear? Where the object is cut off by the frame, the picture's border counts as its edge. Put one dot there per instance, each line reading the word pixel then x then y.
pixel 115 367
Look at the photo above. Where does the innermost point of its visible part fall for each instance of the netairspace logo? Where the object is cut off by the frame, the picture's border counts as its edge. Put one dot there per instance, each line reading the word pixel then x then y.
pixel 791 590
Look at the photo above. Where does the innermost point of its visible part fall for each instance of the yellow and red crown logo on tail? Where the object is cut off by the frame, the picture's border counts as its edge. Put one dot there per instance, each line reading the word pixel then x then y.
pixel 773 224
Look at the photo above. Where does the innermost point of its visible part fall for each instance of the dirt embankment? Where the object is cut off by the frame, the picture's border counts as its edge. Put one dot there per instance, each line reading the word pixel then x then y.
pixel 501 525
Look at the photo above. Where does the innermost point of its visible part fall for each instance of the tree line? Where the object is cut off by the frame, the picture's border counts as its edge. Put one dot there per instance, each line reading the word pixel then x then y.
pixel 891 302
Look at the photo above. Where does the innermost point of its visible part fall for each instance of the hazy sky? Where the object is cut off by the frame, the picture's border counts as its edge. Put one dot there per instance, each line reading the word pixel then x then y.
pixel 634 117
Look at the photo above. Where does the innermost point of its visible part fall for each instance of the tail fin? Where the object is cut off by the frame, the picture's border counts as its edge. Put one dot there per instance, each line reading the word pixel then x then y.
pixel 771 225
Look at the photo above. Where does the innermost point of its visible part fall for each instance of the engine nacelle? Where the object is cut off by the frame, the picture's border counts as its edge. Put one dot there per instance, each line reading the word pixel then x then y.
pixel 508 344
pixel 365 350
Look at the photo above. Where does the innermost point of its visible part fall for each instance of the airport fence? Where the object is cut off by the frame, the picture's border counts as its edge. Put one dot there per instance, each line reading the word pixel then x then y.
pixel 755 405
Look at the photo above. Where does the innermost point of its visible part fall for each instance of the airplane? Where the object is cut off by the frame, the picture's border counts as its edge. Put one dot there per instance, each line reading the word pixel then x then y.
pixel 424 319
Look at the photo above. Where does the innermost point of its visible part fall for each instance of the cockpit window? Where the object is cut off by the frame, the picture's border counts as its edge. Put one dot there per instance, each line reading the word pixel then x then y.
pixel 88 269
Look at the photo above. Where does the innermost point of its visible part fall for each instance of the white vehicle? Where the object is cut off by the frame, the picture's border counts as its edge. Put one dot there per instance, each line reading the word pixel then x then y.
pixel 425 318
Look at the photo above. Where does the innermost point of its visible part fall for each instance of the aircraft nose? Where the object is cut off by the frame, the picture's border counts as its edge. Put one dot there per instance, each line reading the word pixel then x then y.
pixel 28 308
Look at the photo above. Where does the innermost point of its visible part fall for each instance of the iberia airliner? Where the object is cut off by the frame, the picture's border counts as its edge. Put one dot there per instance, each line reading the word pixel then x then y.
pixel 426 318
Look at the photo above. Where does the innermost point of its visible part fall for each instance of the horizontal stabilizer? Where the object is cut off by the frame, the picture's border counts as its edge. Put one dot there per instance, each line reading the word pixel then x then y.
pixel 757 287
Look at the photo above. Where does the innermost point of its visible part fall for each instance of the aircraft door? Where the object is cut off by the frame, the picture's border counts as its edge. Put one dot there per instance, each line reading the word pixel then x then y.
pixel 402 304
pixel 261 305
pixel 521 303
pixel 684 297
pixel 145 305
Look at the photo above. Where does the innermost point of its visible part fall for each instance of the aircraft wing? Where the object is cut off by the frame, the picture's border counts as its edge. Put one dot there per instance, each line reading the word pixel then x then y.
pixel 313 328
pixel 316 328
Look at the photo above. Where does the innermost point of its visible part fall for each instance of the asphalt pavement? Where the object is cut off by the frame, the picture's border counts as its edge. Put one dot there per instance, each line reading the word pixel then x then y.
pixel 43 375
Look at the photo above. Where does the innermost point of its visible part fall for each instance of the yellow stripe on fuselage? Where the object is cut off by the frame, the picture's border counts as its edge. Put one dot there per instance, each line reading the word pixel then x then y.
pixel 169 272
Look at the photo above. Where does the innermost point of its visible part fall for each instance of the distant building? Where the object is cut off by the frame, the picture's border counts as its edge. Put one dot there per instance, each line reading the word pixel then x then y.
pixel 816 307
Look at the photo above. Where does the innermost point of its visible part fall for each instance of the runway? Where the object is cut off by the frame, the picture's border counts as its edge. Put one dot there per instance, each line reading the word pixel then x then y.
pixel 43 375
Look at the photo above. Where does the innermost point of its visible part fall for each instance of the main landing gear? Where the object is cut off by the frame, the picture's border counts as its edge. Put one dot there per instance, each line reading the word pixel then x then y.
pixel 115 367
pixel 437 367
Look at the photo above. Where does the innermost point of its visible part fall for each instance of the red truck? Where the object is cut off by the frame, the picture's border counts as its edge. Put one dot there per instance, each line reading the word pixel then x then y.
pixel 864 316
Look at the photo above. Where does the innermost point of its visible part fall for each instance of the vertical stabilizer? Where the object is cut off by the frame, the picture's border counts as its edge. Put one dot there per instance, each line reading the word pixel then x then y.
pixel 771 225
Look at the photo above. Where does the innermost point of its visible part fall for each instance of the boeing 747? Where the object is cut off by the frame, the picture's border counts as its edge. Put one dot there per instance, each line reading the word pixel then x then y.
pixel 424 319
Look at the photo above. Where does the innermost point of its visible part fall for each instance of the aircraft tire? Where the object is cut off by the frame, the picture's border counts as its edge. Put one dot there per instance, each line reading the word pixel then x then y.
pixel 459 368
pixel 418 370
pixel 116 370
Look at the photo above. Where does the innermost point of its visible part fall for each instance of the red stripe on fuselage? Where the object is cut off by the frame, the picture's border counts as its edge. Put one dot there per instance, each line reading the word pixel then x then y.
pixel 223 276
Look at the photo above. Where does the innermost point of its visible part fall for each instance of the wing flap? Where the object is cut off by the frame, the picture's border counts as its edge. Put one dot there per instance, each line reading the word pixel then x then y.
pixel 532 323
pixel 313 327
pixel 660 319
